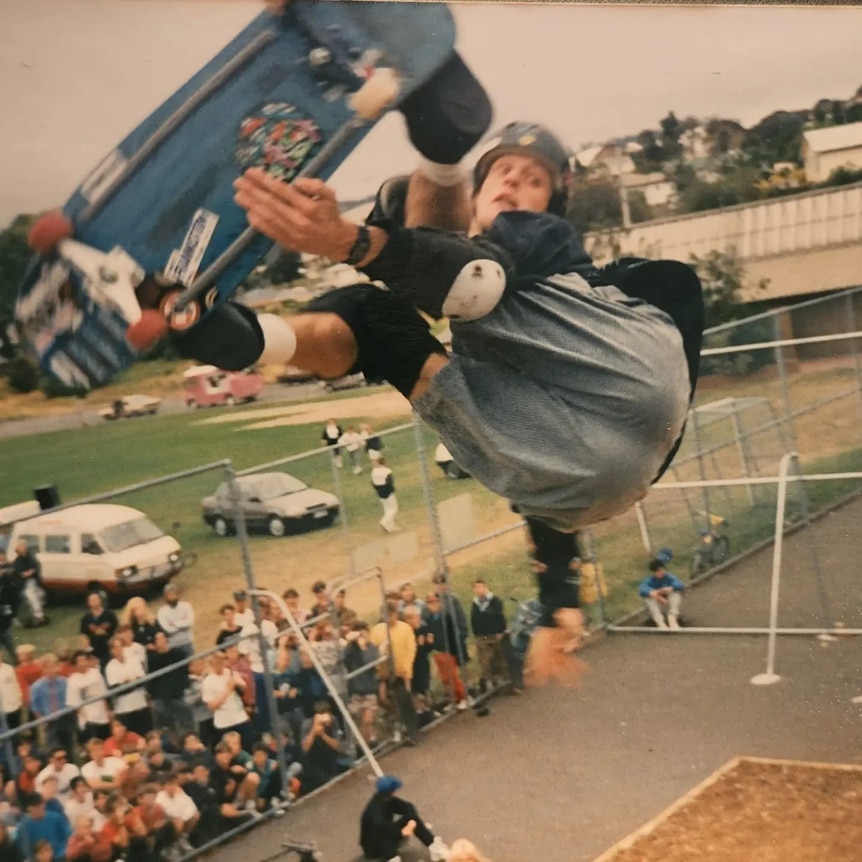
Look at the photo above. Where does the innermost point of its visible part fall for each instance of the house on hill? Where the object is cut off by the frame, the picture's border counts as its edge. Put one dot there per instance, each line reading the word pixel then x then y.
pixel 826 150
pixel 606 160
pixel 656 188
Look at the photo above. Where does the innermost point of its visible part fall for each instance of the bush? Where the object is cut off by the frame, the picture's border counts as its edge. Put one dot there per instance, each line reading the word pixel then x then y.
pixel 22 375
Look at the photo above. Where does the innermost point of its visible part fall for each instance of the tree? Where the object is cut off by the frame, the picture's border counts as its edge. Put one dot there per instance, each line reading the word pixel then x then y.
pixel 723 278
pixel 15 254
pixel 594 206
pixel 671 129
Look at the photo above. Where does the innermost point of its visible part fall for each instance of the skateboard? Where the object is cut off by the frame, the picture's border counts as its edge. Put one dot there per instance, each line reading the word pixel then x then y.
pixel 151 244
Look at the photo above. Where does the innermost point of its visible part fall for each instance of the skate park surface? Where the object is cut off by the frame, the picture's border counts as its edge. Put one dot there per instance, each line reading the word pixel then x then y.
pixel 562 775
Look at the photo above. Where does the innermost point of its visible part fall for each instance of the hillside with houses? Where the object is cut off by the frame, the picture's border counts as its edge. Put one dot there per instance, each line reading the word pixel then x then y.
pixel 691 165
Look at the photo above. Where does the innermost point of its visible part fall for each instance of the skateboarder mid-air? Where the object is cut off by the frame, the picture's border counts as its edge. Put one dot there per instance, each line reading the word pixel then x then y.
pixel 568 385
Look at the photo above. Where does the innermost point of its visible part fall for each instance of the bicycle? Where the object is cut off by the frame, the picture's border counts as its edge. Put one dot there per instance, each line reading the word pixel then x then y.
pixel 714 547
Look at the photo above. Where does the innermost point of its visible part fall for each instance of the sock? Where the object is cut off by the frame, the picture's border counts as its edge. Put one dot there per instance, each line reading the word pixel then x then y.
pixel 279 339
pixel 442 175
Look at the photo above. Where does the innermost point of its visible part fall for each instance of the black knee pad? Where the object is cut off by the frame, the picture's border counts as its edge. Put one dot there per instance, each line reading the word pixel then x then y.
pixel 393 340
pixel 448 115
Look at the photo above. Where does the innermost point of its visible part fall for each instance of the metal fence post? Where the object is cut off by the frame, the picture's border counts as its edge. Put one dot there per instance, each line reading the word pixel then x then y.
pixel 851 327
pixel 428 495
pixel 269 682
pixel 342 512
pixel 782 376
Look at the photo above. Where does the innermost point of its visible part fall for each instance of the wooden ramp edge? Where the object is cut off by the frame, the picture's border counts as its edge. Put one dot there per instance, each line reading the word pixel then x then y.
pixel 719 773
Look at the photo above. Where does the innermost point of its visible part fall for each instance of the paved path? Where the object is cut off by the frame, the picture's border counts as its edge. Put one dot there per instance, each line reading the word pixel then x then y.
pixel 561 776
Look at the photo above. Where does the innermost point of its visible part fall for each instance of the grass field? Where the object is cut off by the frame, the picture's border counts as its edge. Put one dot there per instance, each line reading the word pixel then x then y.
pixel 94 460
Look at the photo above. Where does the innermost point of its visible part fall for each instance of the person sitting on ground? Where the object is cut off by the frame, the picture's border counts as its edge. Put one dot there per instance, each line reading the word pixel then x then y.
pixel 85 844
pixel 269 777
pixel 49 795
pixel 123 741
pixel 102 772
pixel 236 789
pixel 123 829
pixel 25 782
pixel 179 807
pixel 80 802
pixel 388 820
pixel 161 833
pixel 59 768
pixel 206 799
pixel 39 824
pixel 662 595
pixel 9 851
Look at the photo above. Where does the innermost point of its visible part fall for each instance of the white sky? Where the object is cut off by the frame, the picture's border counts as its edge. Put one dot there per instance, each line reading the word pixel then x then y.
pixel 77 75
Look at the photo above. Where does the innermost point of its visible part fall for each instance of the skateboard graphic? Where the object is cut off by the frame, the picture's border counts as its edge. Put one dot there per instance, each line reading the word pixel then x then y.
pixel 151 243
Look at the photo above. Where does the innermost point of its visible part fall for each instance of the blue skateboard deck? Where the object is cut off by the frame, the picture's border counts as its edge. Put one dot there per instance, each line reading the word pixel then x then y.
pixel 158 210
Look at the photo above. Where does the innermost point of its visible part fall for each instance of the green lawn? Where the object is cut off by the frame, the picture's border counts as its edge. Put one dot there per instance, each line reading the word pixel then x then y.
pixel 94 460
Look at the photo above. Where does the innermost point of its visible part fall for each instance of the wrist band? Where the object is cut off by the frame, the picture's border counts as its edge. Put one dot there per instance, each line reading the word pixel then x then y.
pixel 360 248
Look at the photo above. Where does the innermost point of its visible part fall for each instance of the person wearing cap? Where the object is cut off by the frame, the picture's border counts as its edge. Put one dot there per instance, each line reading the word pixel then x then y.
pixel 567 387
pixel 177 619
pixel 662 595
pixel 387 821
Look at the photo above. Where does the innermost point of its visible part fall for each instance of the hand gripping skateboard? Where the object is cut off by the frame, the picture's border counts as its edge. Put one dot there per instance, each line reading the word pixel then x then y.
pixel 152 244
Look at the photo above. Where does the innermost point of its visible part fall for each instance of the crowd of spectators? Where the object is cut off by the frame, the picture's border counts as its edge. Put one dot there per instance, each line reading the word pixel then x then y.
pixel 148 772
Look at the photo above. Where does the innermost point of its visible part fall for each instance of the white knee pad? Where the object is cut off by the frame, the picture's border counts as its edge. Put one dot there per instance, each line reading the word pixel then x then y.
pixel 476 290
pixel 279 339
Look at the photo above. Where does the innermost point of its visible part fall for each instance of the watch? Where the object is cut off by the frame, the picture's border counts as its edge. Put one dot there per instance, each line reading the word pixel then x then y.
pixel 360 248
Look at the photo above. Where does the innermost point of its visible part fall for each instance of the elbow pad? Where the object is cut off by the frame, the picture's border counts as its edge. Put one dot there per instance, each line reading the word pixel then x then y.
pixel 476 290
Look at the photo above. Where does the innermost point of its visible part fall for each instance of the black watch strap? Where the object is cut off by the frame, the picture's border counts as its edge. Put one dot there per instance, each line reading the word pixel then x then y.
pixel 360 248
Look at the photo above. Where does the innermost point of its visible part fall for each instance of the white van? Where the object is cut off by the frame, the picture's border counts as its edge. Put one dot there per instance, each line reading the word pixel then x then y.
pixel 115 548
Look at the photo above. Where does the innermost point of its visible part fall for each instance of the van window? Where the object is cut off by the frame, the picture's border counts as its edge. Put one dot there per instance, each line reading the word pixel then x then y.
pixel 32 542
pixel 123 536
pixel 90 544
pixel 56 544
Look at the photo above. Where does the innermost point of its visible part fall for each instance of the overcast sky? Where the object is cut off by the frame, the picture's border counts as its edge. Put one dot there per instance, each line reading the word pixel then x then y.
pixel 77 75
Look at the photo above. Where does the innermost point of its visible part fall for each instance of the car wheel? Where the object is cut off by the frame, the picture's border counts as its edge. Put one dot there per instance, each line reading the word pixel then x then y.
pixel 276 526
pixel 221 527
pixel 230 401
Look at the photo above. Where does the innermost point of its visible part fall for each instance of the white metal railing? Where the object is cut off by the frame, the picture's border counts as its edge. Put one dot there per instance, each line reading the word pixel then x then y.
pixel 796 223
pixel 772 630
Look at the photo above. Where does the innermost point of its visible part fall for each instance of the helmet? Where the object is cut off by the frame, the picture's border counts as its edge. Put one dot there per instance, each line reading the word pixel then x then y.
pixel 539 142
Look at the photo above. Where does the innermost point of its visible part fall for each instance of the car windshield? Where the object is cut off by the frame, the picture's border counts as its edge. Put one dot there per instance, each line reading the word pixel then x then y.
pixel 120 537
pixel 275 485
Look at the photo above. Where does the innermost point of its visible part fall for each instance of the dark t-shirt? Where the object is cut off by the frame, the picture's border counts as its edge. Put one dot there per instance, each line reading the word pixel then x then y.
pixel 225 783
pixel 99 629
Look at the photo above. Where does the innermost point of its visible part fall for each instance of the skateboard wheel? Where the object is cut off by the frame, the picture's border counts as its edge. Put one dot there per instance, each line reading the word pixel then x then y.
pixel 48 230
pixel 376 94
pixel 179 320
pixel 147 330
